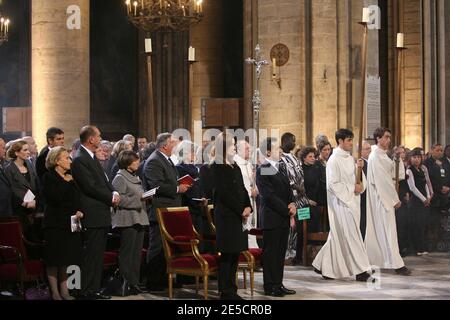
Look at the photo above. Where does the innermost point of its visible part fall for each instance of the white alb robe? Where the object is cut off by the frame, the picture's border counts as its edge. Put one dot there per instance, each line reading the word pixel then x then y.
pixel 248 176
pixel 344 254
pixel 381 233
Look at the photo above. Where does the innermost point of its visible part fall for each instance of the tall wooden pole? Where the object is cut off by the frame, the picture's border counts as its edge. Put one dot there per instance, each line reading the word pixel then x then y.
pixel 398 112
pixel 191 90
pixel 363 98
pixel 151 111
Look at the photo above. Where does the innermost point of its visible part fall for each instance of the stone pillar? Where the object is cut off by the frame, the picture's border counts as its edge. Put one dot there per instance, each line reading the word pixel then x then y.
pixel 60 67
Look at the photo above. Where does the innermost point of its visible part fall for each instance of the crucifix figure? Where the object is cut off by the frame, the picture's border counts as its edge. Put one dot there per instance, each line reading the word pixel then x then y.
pixel 256 101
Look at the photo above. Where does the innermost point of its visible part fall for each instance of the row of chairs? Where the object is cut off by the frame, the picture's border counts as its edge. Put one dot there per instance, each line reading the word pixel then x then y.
pixel 181 248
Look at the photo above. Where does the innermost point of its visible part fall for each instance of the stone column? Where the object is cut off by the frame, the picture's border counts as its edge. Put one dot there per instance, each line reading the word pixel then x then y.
pixel 60 67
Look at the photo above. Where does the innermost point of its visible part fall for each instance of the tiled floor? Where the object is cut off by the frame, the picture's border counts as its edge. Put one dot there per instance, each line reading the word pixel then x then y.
pixel 430 280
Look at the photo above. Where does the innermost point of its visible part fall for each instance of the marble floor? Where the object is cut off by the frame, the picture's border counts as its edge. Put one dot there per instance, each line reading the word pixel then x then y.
pixel 430 280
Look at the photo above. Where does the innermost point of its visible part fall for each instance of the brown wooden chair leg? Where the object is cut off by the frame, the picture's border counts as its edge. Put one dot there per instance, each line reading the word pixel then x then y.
pixel 197 284
pixel 205 286
pixel 170 276
pixel 252 280
pixel 305 243
pixel 244 272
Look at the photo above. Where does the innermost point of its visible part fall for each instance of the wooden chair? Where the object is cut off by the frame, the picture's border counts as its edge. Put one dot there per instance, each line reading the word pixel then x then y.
pixel 180 242
pixel 14 263
pixel 248 260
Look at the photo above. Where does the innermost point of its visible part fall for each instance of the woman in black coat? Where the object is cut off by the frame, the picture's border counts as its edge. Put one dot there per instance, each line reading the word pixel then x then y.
pixel 194 198
pixel 63 247
pixel 22 178
pixel 231 209
pixel 313 186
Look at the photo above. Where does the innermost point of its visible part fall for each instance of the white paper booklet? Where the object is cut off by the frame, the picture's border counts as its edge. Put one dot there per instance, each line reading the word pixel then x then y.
pixel 75 224
pixel 29 196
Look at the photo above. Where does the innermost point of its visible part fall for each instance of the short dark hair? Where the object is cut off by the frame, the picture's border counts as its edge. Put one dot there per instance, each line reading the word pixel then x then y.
pixel 416 152
pixel 52 133
pixel 343 134
pixel 267 145
pixel 126 158
pixel 323 144
pixel 434 146
pixel 379 133
pixel 86 133
pixel 307 151
pixel 286 139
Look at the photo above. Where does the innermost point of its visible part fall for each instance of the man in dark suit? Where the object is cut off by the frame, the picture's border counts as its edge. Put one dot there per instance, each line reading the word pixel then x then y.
pixel 160 171
pixel 277 207
pixel 55 138
pixel 97 198
pixel 441 189
pixel 365 153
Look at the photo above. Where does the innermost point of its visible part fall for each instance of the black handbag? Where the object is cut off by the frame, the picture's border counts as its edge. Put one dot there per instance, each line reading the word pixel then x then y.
pixel 117 285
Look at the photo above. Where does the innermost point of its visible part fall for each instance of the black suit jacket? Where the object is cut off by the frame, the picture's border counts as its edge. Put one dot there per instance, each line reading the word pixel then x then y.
pixel 230 200
pixel 62 201
pixel 96 190
pixel 159 172
pixel 275 196
pixel 40 163
pixel 6 196
pixel 196 190
pixel 439 200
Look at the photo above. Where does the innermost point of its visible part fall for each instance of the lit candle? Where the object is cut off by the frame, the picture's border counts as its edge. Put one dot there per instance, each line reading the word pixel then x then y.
pixel 142 4
pixel 400 40
pixel 366 15
pixel 128 4
pixel 2 21
pixel 148 45
pixel 184 11
pixel 6 26
pixel 135 7
pixel 200 6
pixel 191 56
pixel 160 4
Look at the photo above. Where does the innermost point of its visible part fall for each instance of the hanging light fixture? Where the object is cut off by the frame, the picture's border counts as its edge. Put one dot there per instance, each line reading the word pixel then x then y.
pixel 4 29
pixel 164 15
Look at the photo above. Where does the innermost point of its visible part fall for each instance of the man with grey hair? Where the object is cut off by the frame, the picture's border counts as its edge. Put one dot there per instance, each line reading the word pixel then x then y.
pixel 160 172
pixel 131 139
pixel 33 149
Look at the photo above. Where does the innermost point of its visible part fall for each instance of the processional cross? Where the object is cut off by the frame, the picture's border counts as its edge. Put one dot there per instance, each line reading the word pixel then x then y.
pixel 258 63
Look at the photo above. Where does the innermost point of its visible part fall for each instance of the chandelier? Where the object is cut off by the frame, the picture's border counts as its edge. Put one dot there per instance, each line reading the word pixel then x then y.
pixel 164 15
pixel 4 29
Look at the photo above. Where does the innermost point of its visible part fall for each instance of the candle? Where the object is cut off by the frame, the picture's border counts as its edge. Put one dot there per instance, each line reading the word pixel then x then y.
pixel 274 66
pixel 135 7
pixel 160 4
pixel 400 40
pixel 128 4
pixel 191 56
pixel 200 6
pixel 184 11
pixel 148 45
pixel 2 21
pixel 366 15
pixel 6 26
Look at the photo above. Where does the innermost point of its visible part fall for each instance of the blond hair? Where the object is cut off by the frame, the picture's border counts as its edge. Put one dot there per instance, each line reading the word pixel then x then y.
pixel 53 157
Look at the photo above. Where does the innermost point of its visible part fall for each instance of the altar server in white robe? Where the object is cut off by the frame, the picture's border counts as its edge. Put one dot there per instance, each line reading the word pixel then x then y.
pixel 243 160
pixel 382 201
pixel 344 254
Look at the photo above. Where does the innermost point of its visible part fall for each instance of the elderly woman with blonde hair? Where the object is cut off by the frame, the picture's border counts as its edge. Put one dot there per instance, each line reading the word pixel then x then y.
pixel 63 247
